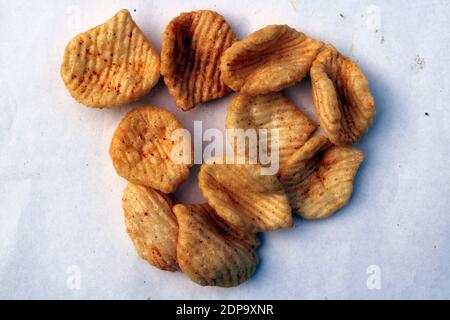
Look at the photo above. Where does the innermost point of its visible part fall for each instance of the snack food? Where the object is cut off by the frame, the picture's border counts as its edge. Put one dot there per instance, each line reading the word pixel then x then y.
pixel 192 46
pixel 318 178
pixel 208 252
pixel 141 149
pixel 344 104
pixel 110 65
pixel 151 225
pixel 243 197
pixel 269 60
pixel 271 111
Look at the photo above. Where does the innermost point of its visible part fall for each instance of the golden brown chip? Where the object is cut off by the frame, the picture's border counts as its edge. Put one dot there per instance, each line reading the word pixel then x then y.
pixel 110 65
pixel 151 225
pixel 269 60
pixel 344 104
pixel 141 149
pixel 208 252
pixel 271 111
pixel 318 178
pixel 245 198
pixel 192 46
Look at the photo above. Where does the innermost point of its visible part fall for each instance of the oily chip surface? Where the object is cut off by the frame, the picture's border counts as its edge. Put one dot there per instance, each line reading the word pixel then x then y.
pixel 344 104
pixel 151 225
pixel 110 65
pixel 269 60
pixel 192 46
pixel 319 177
pixel 208 252
pixel 245 198
pixel 141 149
pixel 270 111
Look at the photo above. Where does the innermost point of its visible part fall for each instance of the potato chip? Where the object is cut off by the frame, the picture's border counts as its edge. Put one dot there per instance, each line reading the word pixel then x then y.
pixel 192 46
pixel 208 252
pixel 245 198
pixel 271 111
pixel 151 225
pixel 269 60
pixel 318 178
pixel 110 65
pixel 141 149
pixel 344 105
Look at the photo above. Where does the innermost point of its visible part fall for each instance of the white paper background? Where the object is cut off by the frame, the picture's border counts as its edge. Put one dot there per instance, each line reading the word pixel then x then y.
pixel 60 199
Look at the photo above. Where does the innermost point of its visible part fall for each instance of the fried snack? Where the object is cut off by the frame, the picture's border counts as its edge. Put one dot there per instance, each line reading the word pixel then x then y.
pixel 318 178
pixel 245 198
pixel 209 251
pixel 141 149
pixel 192 46
pixel 269 60
pixel 151 225
pixel 271 111
pixel 110 65
pixel 344 104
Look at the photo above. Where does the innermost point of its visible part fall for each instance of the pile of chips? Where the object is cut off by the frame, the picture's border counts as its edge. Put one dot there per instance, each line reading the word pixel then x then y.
pixel 215 243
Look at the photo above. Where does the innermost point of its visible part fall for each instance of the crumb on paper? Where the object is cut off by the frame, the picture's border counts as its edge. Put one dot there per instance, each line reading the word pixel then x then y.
pixel 294 4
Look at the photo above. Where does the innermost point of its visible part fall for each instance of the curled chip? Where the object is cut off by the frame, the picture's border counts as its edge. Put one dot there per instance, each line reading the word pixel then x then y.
pixel 192 46
pixel 318 178
pixel 270 111
pixel 151 225
pixel 243 197
pixel 141 149
pixel 344 105
pixel 269 60
pixel 210 252
pixel 110 65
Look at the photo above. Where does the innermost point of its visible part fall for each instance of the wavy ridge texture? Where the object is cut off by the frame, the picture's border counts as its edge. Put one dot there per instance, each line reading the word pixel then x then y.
pixel 110 65
pixel 208 252
pixel 344 104
pixel 151 225
pixel 269 60
pixel 319 177
pixel 192 46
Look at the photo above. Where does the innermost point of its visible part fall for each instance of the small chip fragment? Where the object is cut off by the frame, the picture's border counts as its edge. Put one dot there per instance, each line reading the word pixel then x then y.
pixel 141 149
pixel 192 46
pixel 209 251
pixel 318 178
pixel 243 197
pixel 344 104
pixel 151 225
pixel 110 65
pixel 269 60
pixel 270 111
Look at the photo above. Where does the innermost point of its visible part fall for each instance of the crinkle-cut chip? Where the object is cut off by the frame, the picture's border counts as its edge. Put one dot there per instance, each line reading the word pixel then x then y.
pixel 192 46
pixel 344 104
pixel 270 111
pixel 110 65
pixel 243 197
pixel 141 149
pixel 208 253
pixel 151 225
pixel 319 177
pixel 269 60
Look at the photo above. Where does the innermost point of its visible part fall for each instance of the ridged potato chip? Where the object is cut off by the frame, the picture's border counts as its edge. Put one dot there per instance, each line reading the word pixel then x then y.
pixel 192 46
pixel 271 111
pixel 245 198
pixel 269 60
pixel 344 104
pixel 110 65
pixel 151 225
pixel 318 178
pixel 141 149
pixel 210 252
